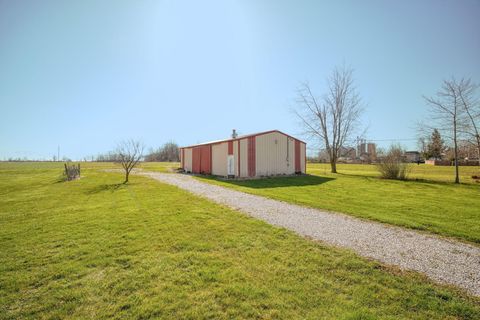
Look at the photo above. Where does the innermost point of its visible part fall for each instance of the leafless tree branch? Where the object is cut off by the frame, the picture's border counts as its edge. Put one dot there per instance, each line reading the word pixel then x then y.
pixel 335 117
pixel 129 152
pixel 446 112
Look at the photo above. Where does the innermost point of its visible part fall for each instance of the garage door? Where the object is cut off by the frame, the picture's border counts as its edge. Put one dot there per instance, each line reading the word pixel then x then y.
pixel 202 159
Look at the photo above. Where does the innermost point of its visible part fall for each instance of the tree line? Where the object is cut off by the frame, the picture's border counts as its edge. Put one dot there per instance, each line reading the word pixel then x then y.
pixel 168 152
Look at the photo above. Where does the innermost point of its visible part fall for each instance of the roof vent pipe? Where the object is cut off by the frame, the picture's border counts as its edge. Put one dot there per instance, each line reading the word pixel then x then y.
pixel 234 134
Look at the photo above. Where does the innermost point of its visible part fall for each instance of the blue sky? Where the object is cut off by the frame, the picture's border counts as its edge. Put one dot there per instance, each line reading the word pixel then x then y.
pixel 86 74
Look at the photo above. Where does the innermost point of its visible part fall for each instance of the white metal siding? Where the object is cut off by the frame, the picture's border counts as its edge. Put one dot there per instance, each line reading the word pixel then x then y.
pixel 235 156
pixel 275 154
pixel 187 162
pixel 219 159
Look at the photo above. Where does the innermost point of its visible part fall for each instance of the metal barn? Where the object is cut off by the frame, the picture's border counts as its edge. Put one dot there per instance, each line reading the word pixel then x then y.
pixel 266 153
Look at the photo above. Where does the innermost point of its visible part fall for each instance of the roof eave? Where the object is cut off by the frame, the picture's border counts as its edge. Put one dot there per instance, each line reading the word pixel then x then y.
pixel 240 138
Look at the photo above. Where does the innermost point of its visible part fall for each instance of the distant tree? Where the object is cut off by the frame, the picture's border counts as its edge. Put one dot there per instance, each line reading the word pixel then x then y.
pixel 166 153
pixel 172 151
pixel 423 147
pixel 333 118
pixel 470 102
pixel 129 152
pixel 110 156
pixel 436 145
pixel 446 113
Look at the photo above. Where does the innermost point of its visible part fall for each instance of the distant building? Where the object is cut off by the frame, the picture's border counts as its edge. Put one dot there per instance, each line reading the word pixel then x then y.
pixel 366 151
pixel 361 147
pixel 412 156
pixel 323 156
pixel 372 151
pixel 345 154
pixel 348 153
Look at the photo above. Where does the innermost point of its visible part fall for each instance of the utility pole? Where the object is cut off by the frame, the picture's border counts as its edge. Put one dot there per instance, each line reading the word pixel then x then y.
pixel 58 153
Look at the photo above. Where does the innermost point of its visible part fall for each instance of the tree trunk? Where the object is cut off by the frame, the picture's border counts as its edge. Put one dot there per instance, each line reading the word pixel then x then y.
pixel 333 164
pixel 457 179
pixel 478 148
pixel 334 167
pixel 126 176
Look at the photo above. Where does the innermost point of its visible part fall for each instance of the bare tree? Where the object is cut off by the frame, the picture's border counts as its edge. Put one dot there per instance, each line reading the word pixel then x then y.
pixel 446 112
pixel 333 118
pixel 129 153
pixel 422 144
pixel 168 152
pixel 467 91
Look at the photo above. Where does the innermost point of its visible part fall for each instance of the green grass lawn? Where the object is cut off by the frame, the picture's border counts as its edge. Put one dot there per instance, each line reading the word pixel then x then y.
pixel 417 172
pixel 429 204
pixel 97 249
pixel 165 167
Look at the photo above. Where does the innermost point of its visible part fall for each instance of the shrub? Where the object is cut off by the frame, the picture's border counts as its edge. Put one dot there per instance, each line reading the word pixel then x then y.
pixel 72 171
pixel 393 165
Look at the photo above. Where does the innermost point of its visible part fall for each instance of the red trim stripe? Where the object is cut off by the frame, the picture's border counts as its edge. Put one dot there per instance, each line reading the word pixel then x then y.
pixel 202 159
pixel 251 156
pixel 238 158
pixel 196 160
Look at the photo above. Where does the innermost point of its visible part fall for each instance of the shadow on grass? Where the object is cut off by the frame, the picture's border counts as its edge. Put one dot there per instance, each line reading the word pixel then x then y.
pixel 357 175
pixel 275 182
pixel 438 182
pixel 63 179
pixel 105 187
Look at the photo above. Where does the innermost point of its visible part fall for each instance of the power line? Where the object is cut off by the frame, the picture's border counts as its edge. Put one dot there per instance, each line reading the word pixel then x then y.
pixel 391 139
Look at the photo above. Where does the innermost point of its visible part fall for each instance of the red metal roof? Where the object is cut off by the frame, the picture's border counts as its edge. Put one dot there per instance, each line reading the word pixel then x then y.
pixel 241 137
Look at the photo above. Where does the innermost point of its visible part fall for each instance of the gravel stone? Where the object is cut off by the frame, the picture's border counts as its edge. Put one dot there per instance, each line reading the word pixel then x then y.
pixel 443 260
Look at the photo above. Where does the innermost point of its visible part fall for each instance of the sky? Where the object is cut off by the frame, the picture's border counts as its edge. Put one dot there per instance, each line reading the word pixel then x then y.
pixel 84 75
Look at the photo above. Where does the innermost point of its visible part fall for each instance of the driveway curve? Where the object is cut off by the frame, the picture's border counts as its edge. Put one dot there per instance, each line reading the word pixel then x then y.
pixel 443 260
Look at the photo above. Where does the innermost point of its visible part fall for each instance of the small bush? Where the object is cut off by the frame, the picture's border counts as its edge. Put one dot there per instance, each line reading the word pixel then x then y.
pixel 393 165
pixel 72 171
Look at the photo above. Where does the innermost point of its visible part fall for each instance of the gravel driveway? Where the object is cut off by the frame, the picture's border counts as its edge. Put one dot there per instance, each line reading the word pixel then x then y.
pixel 442 260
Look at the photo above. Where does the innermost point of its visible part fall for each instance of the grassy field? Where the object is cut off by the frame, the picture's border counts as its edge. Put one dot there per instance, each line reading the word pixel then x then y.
pixel 97 249
pixel 422 172
pixel 429 203
pixel 165 167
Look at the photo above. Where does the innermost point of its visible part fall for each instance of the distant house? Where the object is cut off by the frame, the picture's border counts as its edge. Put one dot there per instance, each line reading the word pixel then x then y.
pixel 412 156
pixel 345 154
pixel 348 153
pixel 266 153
